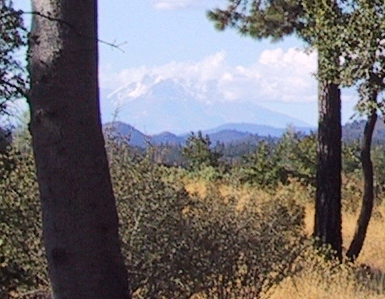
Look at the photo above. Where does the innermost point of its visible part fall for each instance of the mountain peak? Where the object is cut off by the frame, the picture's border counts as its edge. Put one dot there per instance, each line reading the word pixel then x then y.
pixel 155 104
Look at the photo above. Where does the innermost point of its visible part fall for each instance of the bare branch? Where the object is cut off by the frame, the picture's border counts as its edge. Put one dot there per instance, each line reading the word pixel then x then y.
pixel 69 25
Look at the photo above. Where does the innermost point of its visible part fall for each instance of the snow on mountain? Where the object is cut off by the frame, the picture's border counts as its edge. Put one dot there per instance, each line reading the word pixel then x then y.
pixel 155 104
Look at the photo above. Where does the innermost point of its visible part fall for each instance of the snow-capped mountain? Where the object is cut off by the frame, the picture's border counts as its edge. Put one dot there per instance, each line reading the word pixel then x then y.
pixel 155 105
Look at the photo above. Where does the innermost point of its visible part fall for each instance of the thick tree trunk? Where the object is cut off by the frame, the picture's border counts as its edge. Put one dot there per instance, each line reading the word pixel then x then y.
pixel 368 196
pixel 80 223
pixel 327 228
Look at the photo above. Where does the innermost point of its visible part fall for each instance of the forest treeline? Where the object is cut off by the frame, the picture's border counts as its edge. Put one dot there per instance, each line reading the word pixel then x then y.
pixel 266 163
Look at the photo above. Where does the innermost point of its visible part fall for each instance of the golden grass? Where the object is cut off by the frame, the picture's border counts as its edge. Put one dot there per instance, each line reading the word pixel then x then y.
pixel 365 280
pixel 242 194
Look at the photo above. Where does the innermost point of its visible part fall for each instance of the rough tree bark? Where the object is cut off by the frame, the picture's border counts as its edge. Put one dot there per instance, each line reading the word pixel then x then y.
pixel 327 228
pixel 80 223
pixel 316 22
pixel 368 196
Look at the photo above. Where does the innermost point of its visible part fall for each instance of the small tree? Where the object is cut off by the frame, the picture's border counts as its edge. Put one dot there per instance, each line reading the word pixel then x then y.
pixel 199 153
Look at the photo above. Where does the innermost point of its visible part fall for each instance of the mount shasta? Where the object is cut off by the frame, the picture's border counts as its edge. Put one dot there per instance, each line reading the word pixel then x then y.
pixel 153 105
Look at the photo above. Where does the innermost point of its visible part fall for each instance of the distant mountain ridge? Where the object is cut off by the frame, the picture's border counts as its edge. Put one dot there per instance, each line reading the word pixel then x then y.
pixel 262 130
pixel 234 133
pixel 354 130
pixel 227 133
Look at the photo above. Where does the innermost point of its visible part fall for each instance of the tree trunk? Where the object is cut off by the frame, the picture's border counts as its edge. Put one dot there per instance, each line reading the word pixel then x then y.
pixel 368 196
pixel 327 225
pixel 80 223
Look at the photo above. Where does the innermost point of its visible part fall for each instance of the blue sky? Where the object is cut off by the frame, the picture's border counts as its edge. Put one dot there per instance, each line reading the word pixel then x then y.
pixel 173 38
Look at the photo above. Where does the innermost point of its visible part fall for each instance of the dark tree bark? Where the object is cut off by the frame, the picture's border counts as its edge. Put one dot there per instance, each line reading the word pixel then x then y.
pixel 276 19
pixel 327 226
pixel 80 223
pixel 368 196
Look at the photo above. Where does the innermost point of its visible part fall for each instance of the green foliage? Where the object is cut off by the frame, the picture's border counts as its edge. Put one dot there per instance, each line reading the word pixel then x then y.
pixel 13 81
pixel 179 245
pixel 351 157
pixel 260 19
pixel 208 174
pixel 198 152
pixel 293 157
pixel 5 140
pixel 22 261
pixel 298 156
pixel 378 157
pixel 241 249
pixel 262 167
pixel 352 188
pixel 362 42
pixel 166 154
pixel 6 162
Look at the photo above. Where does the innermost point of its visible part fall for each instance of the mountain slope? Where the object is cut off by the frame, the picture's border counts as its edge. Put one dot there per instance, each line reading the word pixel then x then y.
pixel 166 137
pixel 121 130
pixel 154 105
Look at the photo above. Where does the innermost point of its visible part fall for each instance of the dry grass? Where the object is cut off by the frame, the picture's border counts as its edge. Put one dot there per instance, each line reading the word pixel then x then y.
pixel 243 194
pixel 364 281
pixel 316 280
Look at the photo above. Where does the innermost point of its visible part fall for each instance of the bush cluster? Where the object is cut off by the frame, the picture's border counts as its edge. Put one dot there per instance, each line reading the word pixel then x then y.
pixel 178 245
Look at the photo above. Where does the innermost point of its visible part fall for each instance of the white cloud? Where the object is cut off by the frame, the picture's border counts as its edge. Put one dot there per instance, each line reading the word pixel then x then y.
pixel 171 4
pixel 181 4
pixel 278 75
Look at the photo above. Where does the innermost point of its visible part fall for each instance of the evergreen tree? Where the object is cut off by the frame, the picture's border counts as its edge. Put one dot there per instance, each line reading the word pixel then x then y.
pixel 317 23
pixel 199 153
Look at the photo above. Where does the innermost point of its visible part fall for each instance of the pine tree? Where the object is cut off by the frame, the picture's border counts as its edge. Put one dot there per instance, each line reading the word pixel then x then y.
pixel 317 23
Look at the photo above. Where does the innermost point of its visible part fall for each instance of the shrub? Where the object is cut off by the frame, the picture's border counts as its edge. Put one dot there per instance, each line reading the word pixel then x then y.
pixel 248 249
pixel 292 158
pixel 178 245
pixel 22 261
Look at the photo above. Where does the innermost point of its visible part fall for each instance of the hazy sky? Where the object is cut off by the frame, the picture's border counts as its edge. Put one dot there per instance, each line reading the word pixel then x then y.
pixel 173 38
